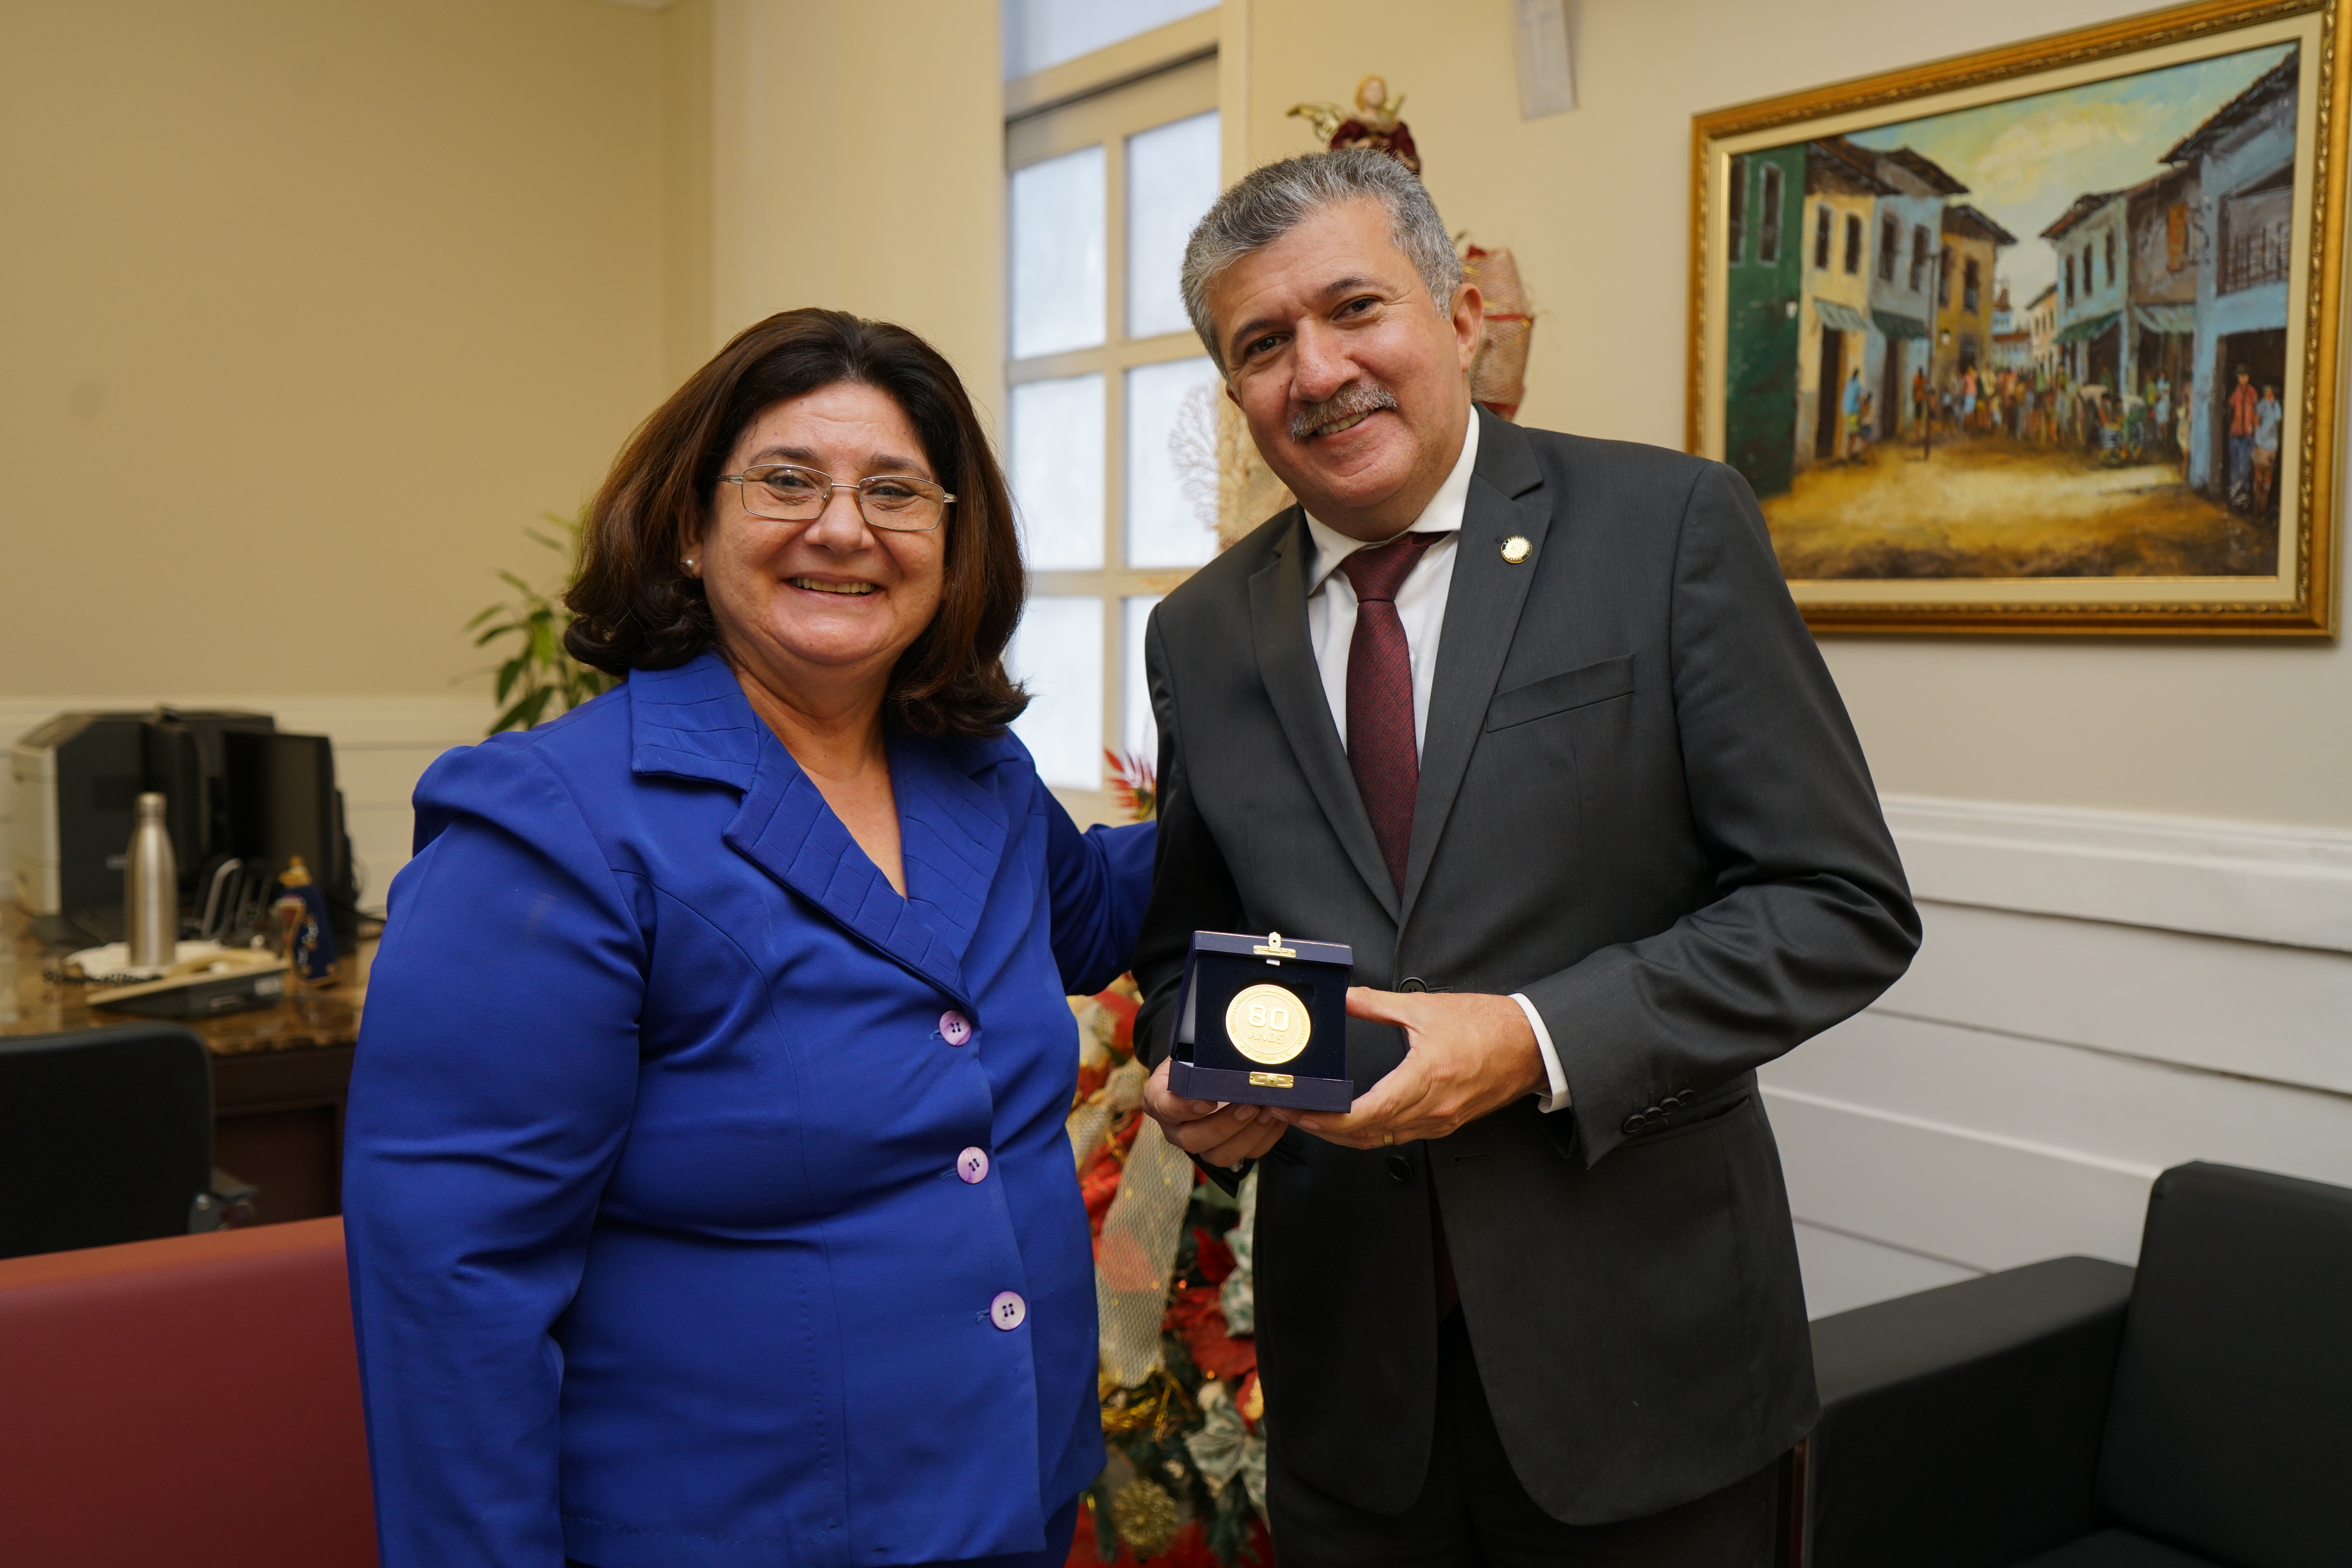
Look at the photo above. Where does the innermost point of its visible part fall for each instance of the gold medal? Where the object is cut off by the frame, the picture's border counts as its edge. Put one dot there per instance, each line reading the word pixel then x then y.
pixel 1267 1024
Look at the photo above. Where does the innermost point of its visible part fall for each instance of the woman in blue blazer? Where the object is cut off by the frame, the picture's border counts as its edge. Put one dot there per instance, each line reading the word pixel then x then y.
pixel 706 1198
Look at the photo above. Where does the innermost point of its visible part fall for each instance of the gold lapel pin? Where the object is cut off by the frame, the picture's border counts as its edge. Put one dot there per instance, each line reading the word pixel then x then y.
pixel 1516 549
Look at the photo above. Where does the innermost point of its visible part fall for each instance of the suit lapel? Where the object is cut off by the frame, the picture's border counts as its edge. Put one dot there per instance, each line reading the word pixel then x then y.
pixel 1293 684
pixel 1481 615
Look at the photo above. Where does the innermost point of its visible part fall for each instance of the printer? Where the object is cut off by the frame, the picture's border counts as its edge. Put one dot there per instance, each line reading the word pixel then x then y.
pixel 242 798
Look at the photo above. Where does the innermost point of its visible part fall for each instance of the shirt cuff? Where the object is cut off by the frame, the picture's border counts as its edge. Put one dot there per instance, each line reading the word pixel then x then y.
pixel 1557 1099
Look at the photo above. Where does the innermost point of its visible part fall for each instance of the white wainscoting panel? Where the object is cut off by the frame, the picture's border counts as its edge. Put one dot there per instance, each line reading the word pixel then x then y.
pixel 2093 1107
pixel 2263 883
pixel 2099 995
pixel 1968 1197
pixel 2278 1013
pixel 2014 1097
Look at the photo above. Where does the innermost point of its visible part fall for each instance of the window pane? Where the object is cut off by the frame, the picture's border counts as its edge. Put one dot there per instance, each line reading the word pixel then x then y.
pixel 1041 33
pixel 1172 510
pixel 1057 653
pixel 1139 733
pixel 1057 472
pixel 1057 254
pixel 1171 179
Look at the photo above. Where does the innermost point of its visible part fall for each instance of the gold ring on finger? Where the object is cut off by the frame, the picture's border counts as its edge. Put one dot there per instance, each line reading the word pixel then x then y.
pixel 1388 1139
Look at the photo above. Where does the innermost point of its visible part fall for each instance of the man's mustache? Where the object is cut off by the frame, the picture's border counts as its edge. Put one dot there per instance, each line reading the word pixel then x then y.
pixel 1358 397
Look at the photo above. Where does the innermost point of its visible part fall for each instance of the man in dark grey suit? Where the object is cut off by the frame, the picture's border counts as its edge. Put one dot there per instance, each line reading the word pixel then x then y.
pixel 1529 721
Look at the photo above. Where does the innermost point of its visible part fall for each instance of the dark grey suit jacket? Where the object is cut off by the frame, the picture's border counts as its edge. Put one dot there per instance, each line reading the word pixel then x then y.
pixel 1641 804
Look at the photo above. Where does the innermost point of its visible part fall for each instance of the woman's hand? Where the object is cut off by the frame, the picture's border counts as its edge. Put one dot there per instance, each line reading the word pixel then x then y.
pixel 1215 1134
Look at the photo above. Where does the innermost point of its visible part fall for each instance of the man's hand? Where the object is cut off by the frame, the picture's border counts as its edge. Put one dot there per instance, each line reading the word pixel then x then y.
pixel 1465 1056
pixel 1216 1134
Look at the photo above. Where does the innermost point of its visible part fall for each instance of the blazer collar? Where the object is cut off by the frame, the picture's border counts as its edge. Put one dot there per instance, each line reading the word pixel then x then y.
pixel 1481 615
pixel 695 722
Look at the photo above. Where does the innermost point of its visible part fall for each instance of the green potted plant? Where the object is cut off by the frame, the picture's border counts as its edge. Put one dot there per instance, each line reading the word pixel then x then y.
pixel 539 679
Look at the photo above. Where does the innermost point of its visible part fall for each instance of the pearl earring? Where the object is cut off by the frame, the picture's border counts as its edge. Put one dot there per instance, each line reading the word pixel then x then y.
pixel 689 562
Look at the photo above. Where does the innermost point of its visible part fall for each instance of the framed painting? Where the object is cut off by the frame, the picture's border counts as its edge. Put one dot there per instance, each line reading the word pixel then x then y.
pixel 2044 339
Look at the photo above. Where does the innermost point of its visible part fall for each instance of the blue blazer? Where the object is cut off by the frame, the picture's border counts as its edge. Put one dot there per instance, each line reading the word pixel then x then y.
pixel 707 1203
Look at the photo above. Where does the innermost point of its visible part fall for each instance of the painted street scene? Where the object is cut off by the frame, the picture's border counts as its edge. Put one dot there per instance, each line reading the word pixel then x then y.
pixel 2041 338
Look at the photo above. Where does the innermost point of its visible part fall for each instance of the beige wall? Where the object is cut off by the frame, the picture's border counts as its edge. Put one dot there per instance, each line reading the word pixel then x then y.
pixel 1596 205
pixel 857 162
pixel 310 305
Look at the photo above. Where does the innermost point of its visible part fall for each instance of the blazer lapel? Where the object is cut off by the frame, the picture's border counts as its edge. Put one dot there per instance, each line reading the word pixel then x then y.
pixel 786 829
pixel 1287 664
pixel 1481 615
pixel 951 831
pixel 695 722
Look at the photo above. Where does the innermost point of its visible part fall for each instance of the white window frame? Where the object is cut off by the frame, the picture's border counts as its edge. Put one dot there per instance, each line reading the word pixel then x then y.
pixel 1172 73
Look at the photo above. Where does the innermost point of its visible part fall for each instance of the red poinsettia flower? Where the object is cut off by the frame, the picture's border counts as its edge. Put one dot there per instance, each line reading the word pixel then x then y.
pixel 1195 1315
pixel 1212 1257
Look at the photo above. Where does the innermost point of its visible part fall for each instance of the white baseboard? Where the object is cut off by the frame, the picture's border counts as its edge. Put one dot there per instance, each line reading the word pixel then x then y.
pixel 2256 883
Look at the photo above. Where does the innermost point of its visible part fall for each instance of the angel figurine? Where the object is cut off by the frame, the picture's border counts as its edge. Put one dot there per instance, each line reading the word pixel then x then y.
pixel 1373 124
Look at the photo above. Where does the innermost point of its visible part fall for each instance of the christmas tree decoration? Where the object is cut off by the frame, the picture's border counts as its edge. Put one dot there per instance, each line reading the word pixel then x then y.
pixel 1181 1408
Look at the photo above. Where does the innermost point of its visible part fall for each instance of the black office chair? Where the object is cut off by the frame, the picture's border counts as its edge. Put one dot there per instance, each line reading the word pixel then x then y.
pixel 2073 1414
pixel 106 1135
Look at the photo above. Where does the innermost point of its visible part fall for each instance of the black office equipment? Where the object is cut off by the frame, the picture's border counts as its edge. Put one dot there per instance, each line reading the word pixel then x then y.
pixel 235 787
pixel 283 803
pixel 77 779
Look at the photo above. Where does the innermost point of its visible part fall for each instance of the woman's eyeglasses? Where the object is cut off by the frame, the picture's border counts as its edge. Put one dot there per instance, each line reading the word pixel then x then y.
pixel 781 492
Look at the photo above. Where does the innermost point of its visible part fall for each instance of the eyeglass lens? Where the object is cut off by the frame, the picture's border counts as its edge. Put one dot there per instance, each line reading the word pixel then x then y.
pixel 885 500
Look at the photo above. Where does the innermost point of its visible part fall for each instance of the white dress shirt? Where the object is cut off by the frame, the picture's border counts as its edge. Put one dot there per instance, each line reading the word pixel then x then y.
pixel 1420 606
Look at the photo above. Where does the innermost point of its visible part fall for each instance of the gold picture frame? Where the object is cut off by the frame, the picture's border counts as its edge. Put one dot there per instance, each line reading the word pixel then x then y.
pixel 1987 335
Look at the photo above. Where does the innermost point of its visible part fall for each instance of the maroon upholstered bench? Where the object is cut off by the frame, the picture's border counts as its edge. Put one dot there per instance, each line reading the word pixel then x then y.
pixel 194 1400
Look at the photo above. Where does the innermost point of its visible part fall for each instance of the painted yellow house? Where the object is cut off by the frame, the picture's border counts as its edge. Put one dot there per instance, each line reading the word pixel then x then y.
pixel 1841 190
pixel 1965 294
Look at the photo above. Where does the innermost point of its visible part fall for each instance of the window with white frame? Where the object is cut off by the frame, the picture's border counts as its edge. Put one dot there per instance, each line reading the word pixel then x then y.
pixel 1105 383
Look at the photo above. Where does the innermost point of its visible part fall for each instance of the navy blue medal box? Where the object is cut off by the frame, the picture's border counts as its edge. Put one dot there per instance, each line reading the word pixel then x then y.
pixel 1264 1021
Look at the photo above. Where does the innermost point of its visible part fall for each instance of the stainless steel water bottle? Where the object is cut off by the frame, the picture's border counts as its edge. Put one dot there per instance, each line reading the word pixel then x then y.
pixel 150 890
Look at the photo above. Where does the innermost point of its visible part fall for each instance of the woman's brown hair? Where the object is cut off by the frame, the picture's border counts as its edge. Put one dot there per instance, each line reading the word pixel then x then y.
pixel 635 608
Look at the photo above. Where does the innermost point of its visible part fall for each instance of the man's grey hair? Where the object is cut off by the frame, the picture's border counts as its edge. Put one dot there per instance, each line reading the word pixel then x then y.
pixel 1268 203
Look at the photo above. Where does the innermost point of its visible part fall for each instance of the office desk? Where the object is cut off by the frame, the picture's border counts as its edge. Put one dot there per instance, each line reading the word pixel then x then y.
pixel 280 1073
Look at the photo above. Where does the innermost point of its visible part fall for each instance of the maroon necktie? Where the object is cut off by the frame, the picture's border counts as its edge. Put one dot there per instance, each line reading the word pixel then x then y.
pixel 1380 748
pixel 1381 751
